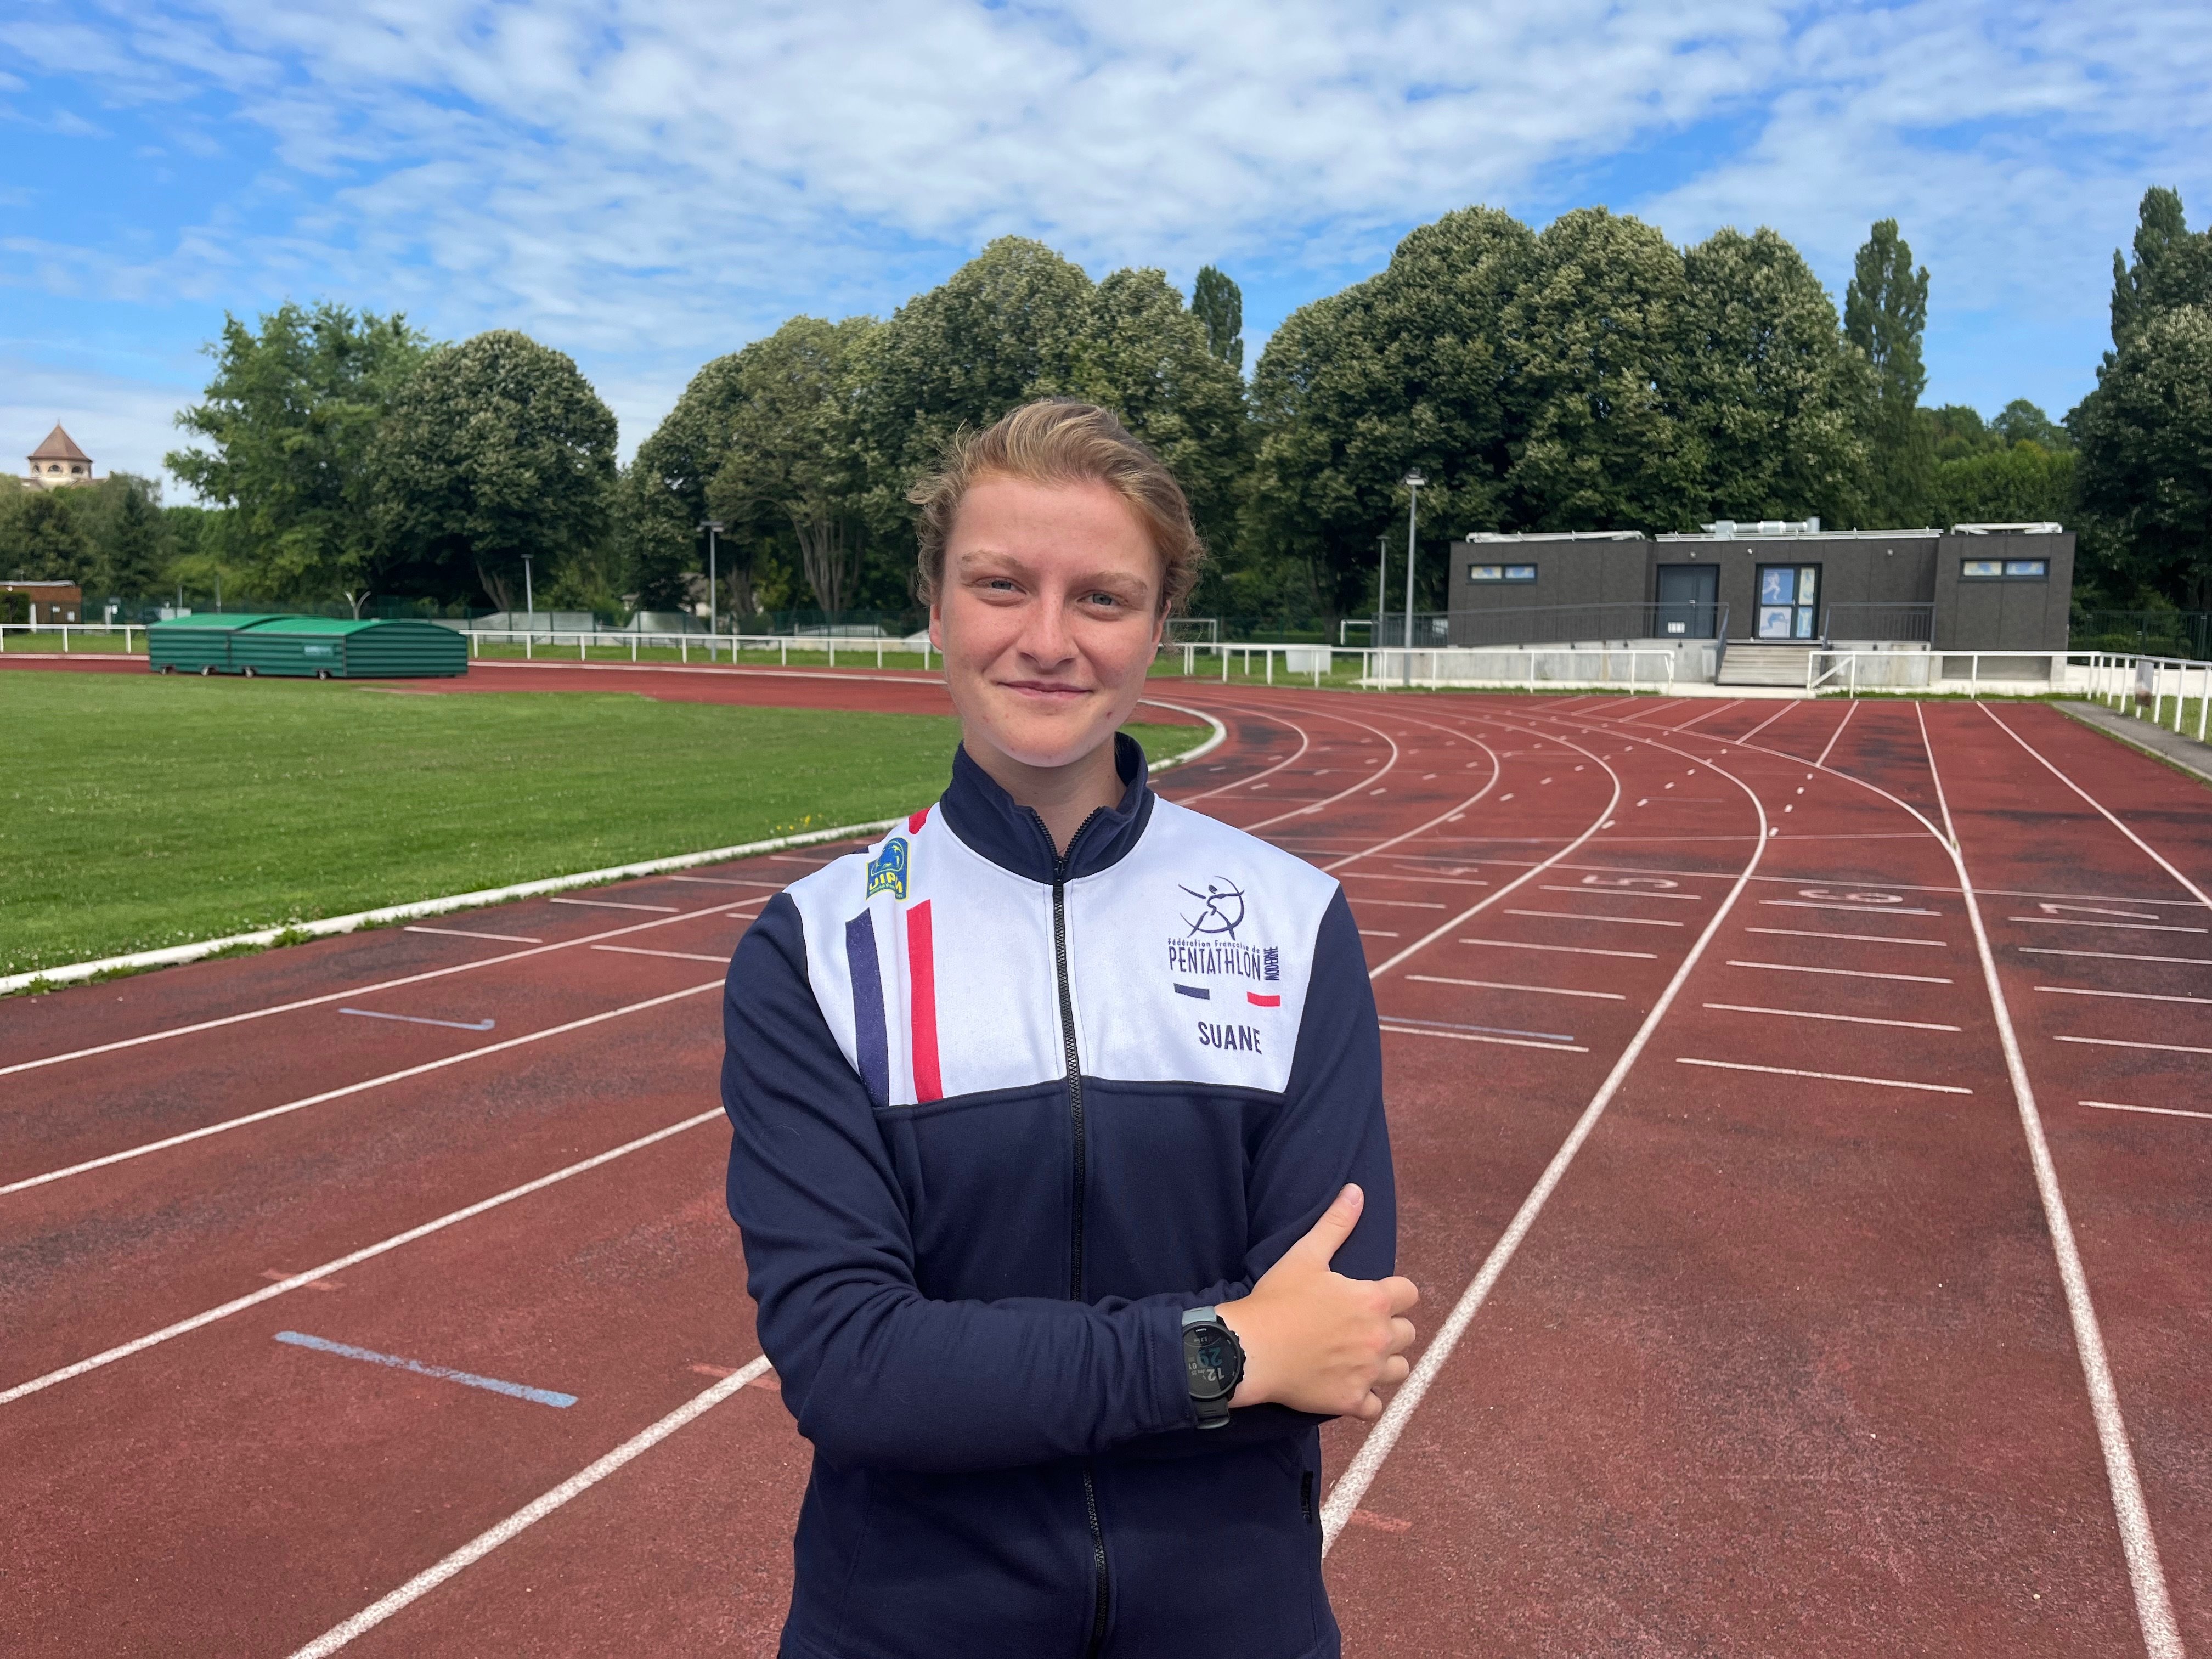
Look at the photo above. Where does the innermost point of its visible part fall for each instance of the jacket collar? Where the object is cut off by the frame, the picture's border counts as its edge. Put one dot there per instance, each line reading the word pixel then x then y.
pixel 987 819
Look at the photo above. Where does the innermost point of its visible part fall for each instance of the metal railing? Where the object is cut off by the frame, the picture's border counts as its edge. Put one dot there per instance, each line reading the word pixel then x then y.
pixel 78 630
pixel 1520 626
pixel 2171 635
pixel 708 648
pixel 1905 622
pixel 2123 678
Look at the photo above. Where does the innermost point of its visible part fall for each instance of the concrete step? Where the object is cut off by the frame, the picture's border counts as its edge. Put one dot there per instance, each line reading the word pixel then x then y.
pixel 1754 663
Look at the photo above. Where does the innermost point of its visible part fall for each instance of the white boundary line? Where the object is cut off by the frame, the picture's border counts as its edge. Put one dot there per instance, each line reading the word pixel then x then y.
pixel 137 1345
pixel 329 925
pixel 2154 1606
pixel 1825 1077
pixel 1352 1485
pixel 362 1087
pixel 492 1537
pixel 2196 892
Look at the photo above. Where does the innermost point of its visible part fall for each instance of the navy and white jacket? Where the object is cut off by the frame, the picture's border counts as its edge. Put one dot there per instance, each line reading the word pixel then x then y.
pixel 1001 1117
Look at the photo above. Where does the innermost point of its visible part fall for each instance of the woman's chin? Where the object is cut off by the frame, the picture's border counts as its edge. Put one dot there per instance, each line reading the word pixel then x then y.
pixel 1045 738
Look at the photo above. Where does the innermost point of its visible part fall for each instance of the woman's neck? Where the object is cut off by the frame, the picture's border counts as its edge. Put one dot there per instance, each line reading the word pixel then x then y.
pixel 1063 796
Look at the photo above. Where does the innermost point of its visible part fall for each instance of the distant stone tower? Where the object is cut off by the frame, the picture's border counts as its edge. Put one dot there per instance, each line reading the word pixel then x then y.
pixel 58 462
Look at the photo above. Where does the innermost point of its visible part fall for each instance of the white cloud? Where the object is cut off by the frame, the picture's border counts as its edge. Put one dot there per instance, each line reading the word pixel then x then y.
pixel 645 184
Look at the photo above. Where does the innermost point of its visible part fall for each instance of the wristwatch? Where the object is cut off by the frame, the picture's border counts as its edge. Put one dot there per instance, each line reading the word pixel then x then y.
pixel 1213 1359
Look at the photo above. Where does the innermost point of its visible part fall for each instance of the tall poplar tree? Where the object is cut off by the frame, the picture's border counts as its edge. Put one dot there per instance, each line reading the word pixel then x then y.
pixel 1885 314
pixel 1219 303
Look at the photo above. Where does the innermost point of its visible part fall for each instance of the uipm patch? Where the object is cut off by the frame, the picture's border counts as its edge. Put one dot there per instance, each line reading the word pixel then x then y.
pixel 887 869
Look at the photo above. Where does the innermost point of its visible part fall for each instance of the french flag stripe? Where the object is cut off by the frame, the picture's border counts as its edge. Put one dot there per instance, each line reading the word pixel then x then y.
pixel 916 820
pixel 921 976
pixel 1259 1001
pixel 871 1039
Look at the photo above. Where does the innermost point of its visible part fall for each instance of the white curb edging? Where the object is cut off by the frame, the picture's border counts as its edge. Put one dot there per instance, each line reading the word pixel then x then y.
pixel 173 954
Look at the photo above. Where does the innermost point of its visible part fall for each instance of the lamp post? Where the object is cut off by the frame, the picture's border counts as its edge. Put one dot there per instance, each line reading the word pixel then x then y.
pixel 714 528
pixel 528 596
pixel 1414 482
pixel 1382 590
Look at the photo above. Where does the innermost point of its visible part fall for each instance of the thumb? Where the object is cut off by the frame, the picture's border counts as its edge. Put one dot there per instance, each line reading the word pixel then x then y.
pixel 1327 1234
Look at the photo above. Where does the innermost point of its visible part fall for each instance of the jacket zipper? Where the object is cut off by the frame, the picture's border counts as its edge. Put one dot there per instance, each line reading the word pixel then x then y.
pixel 1102 1589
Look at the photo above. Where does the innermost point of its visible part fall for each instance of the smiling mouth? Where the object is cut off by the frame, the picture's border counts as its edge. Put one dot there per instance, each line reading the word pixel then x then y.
pixel 1052 689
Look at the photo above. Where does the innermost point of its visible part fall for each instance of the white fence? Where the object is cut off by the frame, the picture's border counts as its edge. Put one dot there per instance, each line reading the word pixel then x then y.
pixel 2148 682
pixel 80 630
pixel 708 647
pixel 1500 668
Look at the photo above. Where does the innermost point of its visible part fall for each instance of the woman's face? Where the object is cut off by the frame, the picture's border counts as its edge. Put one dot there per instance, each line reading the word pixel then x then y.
pixel 1048 616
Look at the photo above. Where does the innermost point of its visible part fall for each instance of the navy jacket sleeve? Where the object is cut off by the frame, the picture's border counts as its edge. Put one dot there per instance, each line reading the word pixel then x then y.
pixel 877 1373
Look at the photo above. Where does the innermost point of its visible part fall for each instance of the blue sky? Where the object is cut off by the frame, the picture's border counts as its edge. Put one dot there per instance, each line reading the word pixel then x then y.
pixel 645 186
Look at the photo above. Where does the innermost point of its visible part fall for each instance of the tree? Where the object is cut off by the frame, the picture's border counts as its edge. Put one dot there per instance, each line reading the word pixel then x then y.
pixel 1409 368
pixel 2145 436
pixel 2006 483
pixel 2144 433
pixel 1142 355
pixel 999 331
pixel 1772 390
pixel 2021 421
pixel 664 489
pixel 290 418
pixel 1601 332
pixel 1885 314
pixel 791 460
pixel 131 544
pixel 1218 304
pixel 497 448
pixel 41 538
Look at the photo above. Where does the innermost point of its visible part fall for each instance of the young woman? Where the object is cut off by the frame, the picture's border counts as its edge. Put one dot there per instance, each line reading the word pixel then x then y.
pixel 1060 1156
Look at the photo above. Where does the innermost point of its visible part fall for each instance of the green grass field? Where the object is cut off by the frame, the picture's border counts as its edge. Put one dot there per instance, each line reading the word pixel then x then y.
pixel 137 811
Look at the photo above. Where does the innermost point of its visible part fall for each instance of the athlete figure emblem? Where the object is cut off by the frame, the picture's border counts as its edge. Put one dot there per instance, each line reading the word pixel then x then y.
pixel 1223 911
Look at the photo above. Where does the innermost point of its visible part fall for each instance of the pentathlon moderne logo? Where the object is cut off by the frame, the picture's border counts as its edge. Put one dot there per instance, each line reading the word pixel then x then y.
pixel 887 869
pixel 1221 910
pixel 1210 949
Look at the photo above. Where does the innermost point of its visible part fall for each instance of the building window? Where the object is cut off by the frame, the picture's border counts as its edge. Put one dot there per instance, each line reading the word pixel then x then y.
pixel 2001 570
pixel 1501 572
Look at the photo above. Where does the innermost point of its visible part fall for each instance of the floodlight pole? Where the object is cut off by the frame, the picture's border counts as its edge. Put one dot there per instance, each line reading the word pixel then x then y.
pixel 1382 587
pixel 1414 482
pixel 529 595
pixel 713 527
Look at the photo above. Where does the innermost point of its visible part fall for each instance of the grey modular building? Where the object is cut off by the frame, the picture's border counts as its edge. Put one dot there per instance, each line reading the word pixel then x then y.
pixel 1973 588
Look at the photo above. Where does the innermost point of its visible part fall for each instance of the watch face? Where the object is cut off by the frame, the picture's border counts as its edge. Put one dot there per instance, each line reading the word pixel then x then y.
pixel 1210 1356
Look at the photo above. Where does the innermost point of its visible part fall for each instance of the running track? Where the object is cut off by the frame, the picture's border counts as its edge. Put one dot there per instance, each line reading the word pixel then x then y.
pixel 1812 1250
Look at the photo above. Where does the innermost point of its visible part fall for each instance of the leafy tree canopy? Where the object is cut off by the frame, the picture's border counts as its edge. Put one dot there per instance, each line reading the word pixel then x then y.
pixel 495 448
pixel 288 423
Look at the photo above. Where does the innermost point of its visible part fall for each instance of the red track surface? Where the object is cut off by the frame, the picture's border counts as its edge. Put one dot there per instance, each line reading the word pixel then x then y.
pixel 1770 1361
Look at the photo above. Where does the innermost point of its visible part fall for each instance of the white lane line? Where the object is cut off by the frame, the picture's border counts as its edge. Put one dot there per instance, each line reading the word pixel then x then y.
pixel 1570 949
pixel 1375 932
pixel 553 1397
pixel 615 904
pixel 731 881
pixel 1402 904
pixel 1843 973
pixel 1826 1077
pixel 2200 895
pixel 677 956
pixel 418 1019
pixel 1627 892
pixel 2162 1111
pixel 1846 1019
pixel 1501 985
pixel 359 990
pixel 1611 921
pixel 139 1345
pixel 492 1537
pixel 1426 881
pixel 1352 1485
pixel 1856 909
pixel 2111 955
pixel 1759 728
pixel 1855 938
pixel 1850 710
pixel 350 1089
pixel 2118 1042
pixel 469 932
pixel 2138 1542
pixel 1487 1030
pixel 1397 1029
pixel 2125 926
pixel 2125 996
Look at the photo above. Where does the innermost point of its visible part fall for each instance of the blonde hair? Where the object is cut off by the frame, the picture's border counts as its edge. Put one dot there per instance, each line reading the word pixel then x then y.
pixel 1058 441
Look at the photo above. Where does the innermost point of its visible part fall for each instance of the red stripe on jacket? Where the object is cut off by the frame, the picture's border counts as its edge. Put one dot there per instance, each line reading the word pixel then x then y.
pixel 922 976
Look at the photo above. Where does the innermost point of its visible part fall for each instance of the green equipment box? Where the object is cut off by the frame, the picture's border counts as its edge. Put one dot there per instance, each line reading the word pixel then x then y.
pixel 305 647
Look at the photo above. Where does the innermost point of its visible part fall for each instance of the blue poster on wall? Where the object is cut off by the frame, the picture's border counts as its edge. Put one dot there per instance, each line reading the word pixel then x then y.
pixel 1775 583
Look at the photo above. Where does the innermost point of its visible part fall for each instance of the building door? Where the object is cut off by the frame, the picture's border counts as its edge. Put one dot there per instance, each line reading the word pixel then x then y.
pixel 1789 601
pixel 1689 597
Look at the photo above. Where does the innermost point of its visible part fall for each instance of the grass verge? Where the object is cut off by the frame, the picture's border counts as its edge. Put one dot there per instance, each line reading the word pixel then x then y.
pixel 136 813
